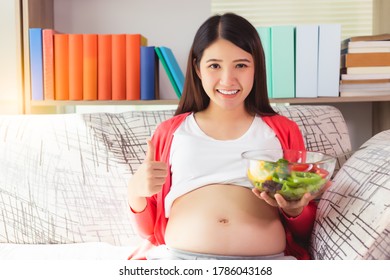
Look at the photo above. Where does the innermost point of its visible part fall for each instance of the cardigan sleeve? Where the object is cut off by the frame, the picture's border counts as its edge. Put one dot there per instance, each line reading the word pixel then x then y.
pixel 302 225
pixel 144 221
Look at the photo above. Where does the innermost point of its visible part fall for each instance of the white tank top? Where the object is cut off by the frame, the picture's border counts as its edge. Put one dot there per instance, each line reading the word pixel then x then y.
pixel 197 159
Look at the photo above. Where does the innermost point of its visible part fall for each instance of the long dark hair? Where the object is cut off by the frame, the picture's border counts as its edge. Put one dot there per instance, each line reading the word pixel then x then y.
pixel 243 34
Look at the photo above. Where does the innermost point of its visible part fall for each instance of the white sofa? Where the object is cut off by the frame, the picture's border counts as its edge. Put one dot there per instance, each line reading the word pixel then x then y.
pixel 63 182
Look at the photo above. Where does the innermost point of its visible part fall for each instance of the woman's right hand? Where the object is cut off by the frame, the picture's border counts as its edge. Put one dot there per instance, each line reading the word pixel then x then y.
pixel 147 180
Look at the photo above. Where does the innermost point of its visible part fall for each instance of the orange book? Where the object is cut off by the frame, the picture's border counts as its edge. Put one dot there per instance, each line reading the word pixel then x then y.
pixel 104 67
pixel 48 63
pixel 133 65
pixel 61 66
pixel 118 66
pixel 75 66
pixel 365 59
pixel 90 66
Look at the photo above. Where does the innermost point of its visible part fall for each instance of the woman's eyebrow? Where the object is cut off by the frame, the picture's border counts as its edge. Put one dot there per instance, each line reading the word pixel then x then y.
pixel 236 60
pixel 213 60
pixel 242 60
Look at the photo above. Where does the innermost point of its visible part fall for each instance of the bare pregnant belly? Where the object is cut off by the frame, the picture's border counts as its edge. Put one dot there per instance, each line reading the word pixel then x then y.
pixel 225 220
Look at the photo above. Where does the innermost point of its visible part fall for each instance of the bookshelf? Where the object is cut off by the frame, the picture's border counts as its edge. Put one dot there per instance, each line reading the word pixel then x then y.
pixel 40 13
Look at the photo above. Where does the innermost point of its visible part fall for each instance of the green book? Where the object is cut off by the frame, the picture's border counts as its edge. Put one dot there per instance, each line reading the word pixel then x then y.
pixel 168 71
pixel 283 61
pixel 265 37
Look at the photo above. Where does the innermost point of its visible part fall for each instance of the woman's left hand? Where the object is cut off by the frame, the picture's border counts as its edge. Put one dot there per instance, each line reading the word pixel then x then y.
pixel 291 208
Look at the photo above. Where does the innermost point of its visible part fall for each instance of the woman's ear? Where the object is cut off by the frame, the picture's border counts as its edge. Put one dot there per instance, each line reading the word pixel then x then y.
pixel 195 65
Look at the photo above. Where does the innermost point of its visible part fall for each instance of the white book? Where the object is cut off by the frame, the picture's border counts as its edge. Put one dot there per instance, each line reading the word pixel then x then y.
pixel 364 93
pixel 367 50
pixel 366 44
pixel 329 59
pixel 365 87
pixel 365 76
pixel 306 60
pixel 369 70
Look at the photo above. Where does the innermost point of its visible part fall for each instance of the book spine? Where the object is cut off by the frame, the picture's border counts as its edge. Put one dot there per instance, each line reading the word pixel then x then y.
pixel 90 66
pixel 118 66
pixel 365 59
pixel 282 56
pixel 75 66
pixel 366 70
pixel 167 71
pixel 133 65
pixel 306 61
pixel 48 63
pixel 329 59
pixel 265 37
pixel 104 67
pixel 36 67
pixel 148 62
pixel 174 67
pixel 61 66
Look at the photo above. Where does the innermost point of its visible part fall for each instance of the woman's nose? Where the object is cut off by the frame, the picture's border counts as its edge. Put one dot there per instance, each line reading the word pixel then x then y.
pixel 227 78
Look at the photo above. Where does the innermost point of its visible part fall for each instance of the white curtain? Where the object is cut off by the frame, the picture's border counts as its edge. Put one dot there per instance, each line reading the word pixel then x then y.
pixel 355 16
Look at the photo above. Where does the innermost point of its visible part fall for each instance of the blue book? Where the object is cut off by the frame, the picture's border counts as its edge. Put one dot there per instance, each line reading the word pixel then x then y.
pixel 36 63
pixel 174 67
pixel 148 73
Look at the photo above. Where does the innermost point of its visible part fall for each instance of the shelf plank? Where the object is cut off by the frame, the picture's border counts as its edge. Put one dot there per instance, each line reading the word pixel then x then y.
pixel 175 102
pixel 102 102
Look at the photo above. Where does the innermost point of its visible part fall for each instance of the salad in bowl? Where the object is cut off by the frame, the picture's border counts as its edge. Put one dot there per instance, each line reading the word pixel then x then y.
pixel 291 173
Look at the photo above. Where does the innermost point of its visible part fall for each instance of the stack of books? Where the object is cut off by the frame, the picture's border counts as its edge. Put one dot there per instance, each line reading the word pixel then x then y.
pixel 97 66
pixel 365 66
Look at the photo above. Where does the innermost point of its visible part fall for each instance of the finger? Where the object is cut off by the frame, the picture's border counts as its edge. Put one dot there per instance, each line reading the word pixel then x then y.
pixel 150 152
pixel 280 200
pixel 159 170
pixel 268 199
pixel 257 192
pixel 306 199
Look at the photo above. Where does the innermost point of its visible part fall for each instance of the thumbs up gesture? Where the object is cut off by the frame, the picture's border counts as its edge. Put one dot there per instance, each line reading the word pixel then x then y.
pixel 155 171
pixel 148 179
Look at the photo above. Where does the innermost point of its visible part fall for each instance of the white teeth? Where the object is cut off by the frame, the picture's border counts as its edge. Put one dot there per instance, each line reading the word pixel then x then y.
pixel 229 92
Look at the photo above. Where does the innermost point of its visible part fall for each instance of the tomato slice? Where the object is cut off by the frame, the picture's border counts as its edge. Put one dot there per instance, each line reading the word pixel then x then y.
pixel 300 167
pixel 320 171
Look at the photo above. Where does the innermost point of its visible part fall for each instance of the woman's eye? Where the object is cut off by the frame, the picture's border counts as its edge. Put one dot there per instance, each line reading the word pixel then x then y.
pixel 240 65
pixel 214 66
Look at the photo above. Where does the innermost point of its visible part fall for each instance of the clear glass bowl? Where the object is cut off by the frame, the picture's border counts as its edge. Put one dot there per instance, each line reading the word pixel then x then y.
pixel 291 173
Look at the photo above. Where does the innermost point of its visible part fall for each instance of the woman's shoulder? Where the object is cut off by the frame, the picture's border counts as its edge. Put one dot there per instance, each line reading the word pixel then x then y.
pixel 177 119
pixel 278 119
pixel 170 125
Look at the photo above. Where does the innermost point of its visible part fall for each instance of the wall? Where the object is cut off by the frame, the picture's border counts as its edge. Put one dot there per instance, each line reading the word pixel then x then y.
pixel 170 23
pixel 10 57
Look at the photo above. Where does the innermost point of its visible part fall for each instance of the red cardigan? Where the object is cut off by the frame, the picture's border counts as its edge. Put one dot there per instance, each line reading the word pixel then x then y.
pixel 151 223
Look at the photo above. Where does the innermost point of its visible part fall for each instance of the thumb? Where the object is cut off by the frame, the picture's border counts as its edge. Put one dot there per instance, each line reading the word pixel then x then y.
pixel 150 153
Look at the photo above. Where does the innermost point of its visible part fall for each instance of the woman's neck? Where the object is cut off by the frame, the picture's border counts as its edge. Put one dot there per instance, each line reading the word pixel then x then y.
pixel 216 113
pixel 224 124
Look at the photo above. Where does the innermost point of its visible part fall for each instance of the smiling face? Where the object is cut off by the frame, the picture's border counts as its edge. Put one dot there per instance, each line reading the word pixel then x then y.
pixel 227 74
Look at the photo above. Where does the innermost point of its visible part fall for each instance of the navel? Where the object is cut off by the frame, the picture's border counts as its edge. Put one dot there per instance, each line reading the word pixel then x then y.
pixel 223 221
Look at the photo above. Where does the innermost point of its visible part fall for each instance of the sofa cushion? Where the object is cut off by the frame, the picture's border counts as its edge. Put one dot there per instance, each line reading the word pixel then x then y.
pixel 353 218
